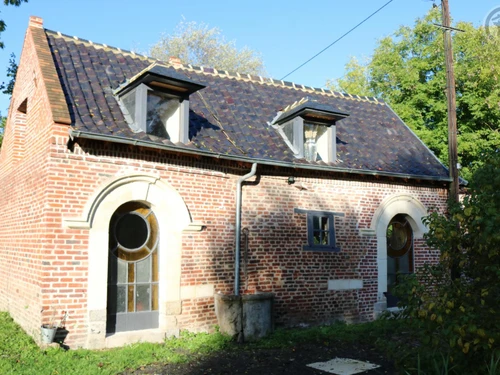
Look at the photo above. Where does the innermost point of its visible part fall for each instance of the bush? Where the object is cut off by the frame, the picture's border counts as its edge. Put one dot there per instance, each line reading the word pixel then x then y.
pixel 456 302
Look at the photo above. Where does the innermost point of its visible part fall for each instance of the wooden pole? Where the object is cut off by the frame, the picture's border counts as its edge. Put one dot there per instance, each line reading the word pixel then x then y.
pixel 452 108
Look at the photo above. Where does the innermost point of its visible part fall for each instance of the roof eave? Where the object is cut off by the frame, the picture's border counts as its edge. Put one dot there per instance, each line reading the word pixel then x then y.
pixel 116 139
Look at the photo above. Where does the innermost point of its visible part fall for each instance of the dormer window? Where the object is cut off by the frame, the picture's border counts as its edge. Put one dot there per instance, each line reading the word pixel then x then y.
pixel 156 101
pixel 308 128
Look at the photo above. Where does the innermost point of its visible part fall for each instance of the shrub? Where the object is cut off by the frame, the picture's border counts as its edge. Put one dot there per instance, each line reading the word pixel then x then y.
pixel 456 302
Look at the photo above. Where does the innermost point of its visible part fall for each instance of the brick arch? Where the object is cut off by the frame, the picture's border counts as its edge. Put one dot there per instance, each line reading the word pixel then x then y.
pixel 173 216
pixel 396 204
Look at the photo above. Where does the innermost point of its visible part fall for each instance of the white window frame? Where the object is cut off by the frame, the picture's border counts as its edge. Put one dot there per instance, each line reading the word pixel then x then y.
pixel 177 126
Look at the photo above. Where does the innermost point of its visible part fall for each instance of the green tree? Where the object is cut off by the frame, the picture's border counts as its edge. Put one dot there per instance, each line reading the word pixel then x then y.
pixel 407 70
pixel 199 45
pixel 459 316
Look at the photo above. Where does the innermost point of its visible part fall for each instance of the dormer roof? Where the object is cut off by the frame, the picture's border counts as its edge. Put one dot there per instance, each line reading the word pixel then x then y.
pixel 311 111
pixel 163 78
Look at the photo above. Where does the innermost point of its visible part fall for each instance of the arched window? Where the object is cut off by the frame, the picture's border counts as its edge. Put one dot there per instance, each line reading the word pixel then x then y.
pixel 399 253
pixel 133 269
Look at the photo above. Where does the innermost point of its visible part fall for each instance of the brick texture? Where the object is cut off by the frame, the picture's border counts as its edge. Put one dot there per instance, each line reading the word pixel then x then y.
pixel 45 265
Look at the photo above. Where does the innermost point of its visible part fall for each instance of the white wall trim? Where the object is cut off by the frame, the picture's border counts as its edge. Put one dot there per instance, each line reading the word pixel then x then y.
pixel 173 217
pixel 396 204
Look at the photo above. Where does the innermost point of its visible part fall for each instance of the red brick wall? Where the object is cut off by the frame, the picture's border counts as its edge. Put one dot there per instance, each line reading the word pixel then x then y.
pixel 46 264
pixel 276 261
pixel 25 227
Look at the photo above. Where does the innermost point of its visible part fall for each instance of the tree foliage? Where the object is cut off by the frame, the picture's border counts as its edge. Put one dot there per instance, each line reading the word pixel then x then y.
pixel 408 71
pixel 460 315
pixel 7 88
pixel 199 45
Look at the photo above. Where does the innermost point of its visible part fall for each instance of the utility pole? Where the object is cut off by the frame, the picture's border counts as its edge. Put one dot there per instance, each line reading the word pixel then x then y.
pixel 452 107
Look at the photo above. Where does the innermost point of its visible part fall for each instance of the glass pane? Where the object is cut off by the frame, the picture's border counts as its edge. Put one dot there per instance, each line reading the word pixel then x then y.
pixel 288 130
pixel 129 102
pixel 154 297
pixel 316 223
pixel 404 264
pixel 122 271
pixel 131 231
pixel 160 109
pixel 143 270
pixel 131 273
pixel 155 266
pixel 325 239
pixel 324 222
pixel 142 298
pixel 121 298
pixel 317 237
pixel 130 298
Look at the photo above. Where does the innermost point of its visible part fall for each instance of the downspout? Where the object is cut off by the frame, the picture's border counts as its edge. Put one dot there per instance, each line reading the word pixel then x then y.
pixel 238 228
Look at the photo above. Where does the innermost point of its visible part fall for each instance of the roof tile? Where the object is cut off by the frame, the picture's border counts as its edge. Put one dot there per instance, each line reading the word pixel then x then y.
pixel 230 115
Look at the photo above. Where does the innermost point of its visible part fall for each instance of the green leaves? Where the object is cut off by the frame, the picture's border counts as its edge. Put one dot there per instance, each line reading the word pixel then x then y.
pixel 460 313
pixel 407 70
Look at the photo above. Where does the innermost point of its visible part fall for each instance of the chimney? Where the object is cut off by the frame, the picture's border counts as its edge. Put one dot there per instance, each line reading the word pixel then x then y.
pixel 36 22
pixel 175 61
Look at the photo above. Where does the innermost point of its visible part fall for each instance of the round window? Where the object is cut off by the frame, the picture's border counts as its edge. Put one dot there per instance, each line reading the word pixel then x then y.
pixel 399 237
pixel 132 231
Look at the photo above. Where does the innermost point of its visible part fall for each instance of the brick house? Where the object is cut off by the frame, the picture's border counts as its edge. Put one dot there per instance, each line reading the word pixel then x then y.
pixel 128 181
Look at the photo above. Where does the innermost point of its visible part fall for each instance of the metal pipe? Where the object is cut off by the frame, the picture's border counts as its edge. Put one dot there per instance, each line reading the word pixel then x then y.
pixel 238 228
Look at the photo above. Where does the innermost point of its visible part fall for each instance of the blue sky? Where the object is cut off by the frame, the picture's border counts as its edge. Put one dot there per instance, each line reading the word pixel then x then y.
pixel 286 33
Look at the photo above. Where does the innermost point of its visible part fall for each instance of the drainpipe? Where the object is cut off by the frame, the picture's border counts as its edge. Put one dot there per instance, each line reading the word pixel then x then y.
pixel 238 228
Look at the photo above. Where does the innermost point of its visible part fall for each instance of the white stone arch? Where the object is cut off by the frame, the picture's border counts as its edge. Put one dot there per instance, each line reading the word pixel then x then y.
pixel 173 217
pixel 396 204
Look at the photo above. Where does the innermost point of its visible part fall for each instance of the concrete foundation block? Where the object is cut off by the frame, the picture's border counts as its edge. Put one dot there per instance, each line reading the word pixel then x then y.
pixel 248 317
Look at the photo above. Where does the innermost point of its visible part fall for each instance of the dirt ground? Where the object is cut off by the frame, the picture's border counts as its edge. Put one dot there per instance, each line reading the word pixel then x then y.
pixel 290 361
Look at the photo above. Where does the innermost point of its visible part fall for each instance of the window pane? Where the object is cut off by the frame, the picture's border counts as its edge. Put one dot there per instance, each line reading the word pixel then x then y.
pixel 129 102
pixel 143 270
pixel 324 223
pixel 121 298
pixel 122 271
pixel 325 238
pixel 131 231
pixel 142 298
pixel 317 237
pixel 316 225
pixel 160 109
pixel 288 131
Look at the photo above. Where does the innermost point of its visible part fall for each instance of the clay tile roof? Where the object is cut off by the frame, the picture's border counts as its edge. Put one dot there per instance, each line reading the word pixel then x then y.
pixel 232 114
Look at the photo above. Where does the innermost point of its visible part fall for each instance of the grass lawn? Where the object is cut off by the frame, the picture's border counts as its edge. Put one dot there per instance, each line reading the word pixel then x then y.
pixel 389 343
pixel 20 354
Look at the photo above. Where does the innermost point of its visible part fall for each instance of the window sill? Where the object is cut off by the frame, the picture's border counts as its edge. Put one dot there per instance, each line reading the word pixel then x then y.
pixel 322 248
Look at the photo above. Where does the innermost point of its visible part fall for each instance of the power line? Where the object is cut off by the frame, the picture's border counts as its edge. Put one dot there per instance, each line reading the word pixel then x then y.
pixel 331 44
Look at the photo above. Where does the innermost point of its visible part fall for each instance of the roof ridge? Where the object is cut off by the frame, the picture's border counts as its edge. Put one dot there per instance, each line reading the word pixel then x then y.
pixel 224 73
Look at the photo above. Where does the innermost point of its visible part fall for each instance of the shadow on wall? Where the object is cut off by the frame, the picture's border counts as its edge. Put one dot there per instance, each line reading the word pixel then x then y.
pixel 274 260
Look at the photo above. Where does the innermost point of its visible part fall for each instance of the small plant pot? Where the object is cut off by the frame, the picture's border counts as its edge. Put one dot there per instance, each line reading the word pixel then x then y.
pixel 47 333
